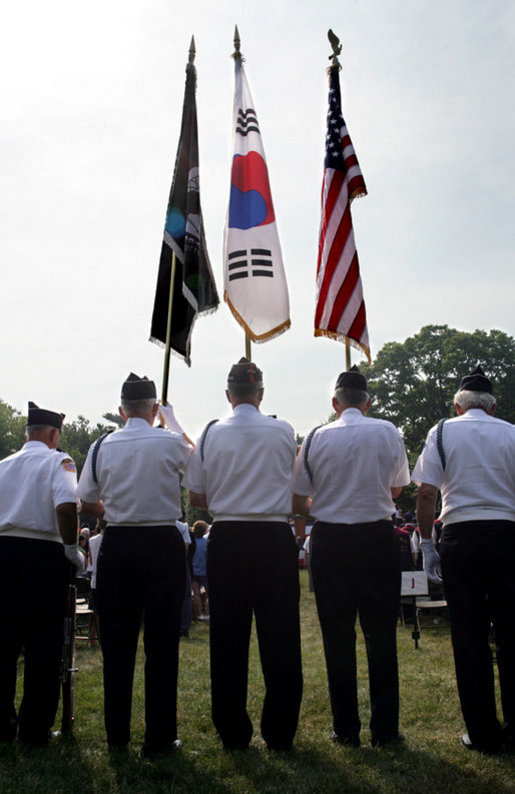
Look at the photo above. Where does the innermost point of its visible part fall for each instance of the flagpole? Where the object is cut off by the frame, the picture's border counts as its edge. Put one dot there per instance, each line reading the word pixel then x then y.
pixel 237 55
pixel 347 355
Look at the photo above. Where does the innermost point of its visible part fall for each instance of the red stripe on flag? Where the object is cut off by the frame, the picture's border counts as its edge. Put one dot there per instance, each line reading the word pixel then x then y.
pixel 344 293
pixel 359 323
pixel 333 259
pixel 333 194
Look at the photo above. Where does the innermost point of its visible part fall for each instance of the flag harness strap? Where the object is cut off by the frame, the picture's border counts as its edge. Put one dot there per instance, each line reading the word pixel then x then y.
pixel 204 436
pixel 94 455
pixel 439 441
pixel 306 451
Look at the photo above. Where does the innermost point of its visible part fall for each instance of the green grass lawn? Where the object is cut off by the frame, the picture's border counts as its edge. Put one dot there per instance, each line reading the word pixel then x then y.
pixel 431 761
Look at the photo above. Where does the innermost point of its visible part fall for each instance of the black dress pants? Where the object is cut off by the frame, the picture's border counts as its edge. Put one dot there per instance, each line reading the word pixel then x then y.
pixel 356 570
pixel 33 588
pixel 478 567
pixel 252 567
pixel 141 575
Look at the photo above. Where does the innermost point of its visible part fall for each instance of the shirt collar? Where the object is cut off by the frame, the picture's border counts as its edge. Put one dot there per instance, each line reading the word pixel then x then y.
pixel 136 421
pixel 36 445
pixel 351 413
pixel 477 412
pixel 245 408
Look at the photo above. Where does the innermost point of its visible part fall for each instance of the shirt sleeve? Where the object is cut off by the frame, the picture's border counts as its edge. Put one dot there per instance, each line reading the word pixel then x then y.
pixel 301 481
pixel 194 478
pixel 64 481
pixel 88 490
pixel 428 468
pixel 401 477
pixel 185 455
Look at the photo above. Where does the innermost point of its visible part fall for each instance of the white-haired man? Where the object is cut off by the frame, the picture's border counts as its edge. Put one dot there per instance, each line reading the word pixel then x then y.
pixel 471 459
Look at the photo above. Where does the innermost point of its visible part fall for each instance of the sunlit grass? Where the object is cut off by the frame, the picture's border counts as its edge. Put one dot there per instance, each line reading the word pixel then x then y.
pixel 431 761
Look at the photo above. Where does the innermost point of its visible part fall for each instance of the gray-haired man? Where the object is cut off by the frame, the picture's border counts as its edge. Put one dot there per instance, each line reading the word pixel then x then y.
pixel 471 459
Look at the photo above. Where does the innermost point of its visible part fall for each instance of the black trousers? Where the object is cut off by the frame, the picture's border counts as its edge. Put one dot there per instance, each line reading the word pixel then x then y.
pixel 252 568
pixel 33 588
pixel 140 575
pixel 478 567
pixel 356 570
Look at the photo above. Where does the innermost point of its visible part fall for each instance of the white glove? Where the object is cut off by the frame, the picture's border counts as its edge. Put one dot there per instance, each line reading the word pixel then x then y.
pixel 431 560
pixel 75 556
pixel 169 419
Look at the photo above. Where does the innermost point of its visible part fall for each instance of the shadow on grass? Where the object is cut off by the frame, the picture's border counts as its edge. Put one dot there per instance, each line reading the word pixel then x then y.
pixel 67 766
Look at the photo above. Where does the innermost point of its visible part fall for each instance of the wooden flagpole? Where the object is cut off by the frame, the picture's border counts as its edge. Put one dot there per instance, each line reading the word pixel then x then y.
pixel 347 355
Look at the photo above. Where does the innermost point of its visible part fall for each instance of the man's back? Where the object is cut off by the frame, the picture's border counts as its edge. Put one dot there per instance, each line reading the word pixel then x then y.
pixel 479 475
pixel 32 482
pixel 245 465
pixel 137 469
pixel 354 461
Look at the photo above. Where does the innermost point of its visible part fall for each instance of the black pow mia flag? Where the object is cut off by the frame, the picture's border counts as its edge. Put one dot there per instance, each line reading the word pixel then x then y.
pixel 194 286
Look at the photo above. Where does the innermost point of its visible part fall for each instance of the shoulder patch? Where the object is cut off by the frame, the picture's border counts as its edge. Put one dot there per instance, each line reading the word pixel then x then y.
pixel 69 465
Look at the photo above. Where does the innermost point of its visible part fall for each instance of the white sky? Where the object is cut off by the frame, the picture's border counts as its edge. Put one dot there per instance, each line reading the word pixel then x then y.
pixel 90 109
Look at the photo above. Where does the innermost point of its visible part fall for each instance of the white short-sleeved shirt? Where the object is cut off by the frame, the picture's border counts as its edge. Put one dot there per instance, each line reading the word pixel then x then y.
pixel 185 532
pixel 354 460
pixel 247 466
pixel 94 546
pixel 479 478
pixel 33 482
pixel 138 475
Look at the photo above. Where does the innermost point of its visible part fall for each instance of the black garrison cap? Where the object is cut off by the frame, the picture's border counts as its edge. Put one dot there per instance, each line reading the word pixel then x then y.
pixel 353 379
pixel 476 381
pixel 40 416
pixel 244 373
pixel 136 388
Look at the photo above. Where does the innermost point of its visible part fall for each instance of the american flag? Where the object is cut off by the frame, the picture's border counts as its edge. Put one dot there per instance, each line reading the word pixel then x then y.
pixel 340 308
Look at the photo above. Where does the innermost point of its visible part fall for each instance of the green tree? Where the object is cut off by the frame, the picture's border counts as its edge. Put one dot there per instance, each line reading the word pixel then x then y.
pixel 77 437
pixel 413 382
pixel 12 429
pixel 115 419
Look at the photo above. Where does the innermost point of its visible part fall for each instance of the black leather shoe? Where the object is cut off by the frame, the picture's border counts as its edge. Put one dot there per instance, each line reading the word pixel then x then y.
pixel 469 744
pixel 381 741
pixel 345 741
pixel 153 753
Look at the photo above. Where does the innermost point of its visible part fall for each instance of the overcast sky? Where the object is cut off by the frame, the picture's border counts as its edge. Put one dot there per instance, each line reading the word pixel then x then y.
pixel 91 107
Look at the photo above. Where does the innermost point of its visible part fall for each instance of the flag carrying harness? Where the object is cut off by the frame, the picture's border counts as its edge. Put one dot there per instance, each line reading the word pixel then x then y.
pixel 439 442
pixel 307 445
pixel 94 455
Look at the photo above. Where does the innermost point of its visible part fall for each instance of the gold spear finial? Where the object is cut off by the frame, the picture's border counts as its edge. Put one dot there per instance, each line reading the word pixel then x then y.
pixel 192 50
pixel 237 42
pixel 337 48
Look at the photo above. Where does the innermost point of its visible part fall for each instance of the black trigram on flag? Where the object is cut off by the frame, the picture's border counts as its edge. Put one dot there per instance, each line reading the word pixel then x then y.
pixel 258 264
pixel 247 122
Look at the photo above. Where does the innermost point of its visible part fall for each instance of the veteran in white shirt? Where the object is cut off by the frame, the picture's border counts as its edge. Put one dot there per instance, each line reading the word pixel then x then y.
pixel 241 472
pixel 346 476
pixel 38 514
pixel 471 459
pixel 131 480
